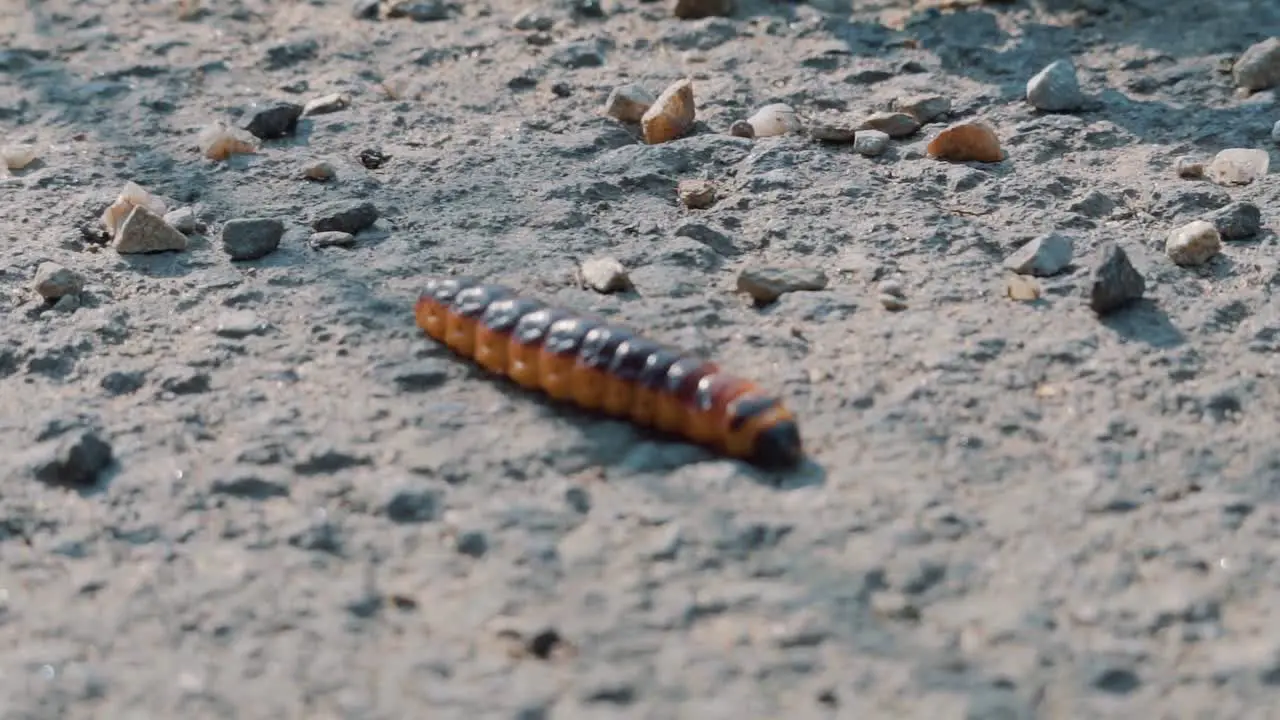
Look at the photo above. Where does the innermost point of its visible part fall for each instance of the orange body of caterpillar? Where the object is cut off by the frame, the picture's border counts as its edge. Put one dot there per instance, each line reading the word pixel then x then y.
pixel 609 369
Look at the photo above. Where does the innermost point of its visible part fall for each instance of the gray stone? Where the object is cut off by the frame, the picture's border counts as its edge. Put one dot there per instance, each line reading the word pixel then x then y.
pixel 924 108
pixel 1258 68
pixel 419 10
pixel 1236 221
pixel 54 281
pixel 365 9
pixel 1275 133
pixel 1055 88
pixel 184 220
pixel 1114 282
pixel 413 505
pixel 1044 256
pixel 348 216
pixel 274 120
pixel 251 238
pixel 238 324
pixel 893 124
pixel 767 284
pixel 143 231
pixel 870 143
pixel 331 238
pixel 73 460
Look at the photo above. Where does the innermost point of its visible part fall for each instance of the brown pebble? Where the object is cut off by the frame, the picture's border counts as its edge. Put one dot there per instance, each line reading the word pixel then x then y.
pixel 742 129
pixel 1190 168
pixel 965 141
pixel 672 114
pixel 1022 288
pixel 696 194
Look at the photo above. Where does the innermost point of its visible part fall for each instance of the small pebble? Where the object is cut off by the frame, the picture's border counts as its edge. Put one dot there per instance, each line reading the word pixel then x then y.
pixel 73 460
pixel 671 116
pixel 1189 168
pixel 130 196
pixel 767 284
pixel 1239 166
pixel 742 129
pixel 892 302
pixel 275 120
pixel 1258 68
pixel 870 143
pixel 924 108
pixel 1237 220
pixel 184 220
pixel 965 141
pixel 1275 133
pixel 17 157
pixel 1044 256
pixel 331 238
pixel 219 141
pixel 605 275
pixel 694 9
pixel 1056 88
pixel 629 103
pixel 319 170
pixel 251 238
pixel 1193 244
pixel 54 281
pixel 1114 282
pixel 238 324
pixel 365 9
pixel 893 124
pixel 832 126
pixel 696 194
pixel 533 19
pixel 418 10
pixel 774 120
pixel 143 231
pixel 1022 288
pixel 349 216
pixel 326 104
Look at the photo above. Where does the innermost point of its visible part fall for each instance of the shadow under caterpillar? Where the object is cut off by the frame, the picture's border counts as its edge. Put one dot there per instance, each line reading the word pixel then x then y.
pixel 603 367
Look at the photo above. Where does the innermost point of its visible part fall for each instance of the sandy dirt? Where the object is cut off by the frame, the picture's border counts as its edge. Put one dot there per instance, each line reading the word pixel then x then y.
pixel 251 488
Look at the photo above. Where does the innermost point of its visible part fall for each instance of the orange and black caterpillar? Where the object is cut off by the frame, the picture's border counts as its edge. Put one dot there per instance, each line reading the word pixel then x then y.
pixel 603 367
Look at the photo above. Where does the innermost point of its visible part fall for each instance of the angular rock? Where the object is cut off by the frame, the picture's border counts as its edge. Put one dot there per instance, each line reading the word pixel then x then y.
pixel 184 220
pixel 696 194
pixel 1056 88
pixel 1044 256
pixel 251 238
pixel 54 281
pixel 870 143
pixel 73 460
pixel 767 284
pixel 275 120
pixel 672 115
pixel 833 126
pixel 1236 221
pixel 605 275
pixel 1193 244
pixel 1114 282
pixel 326 104
pixel 893 124
pixel 629 103
pixel 219 141
pixel 143 231
pixel 348 216
pixel 925 108
pixel 1258 68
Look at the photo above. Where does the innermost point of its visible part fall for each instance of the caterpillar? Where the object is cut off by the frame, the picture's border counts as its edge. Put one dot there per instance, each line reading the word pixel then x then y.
pixel 598 366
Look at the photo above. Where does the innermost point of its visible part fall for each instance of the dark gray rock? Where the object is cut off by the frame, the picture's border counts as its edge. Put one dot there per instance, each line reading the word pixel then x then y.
pixel 1236 221
pixel 414 505
pixel 348 216
pixel 75 459
pixel 1114 282
pixel 122 382
pixel 274 120
pixel 251 238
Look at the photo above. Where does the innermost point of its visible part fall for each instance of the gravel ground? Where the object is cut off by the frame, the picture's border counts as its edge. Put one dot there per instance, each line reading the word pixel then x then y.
pixel 239 483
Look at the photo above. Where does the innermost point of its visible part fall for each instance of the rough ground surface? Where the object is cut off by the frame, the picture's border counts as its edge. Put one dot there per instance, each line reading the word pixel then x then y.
pixel 1015 509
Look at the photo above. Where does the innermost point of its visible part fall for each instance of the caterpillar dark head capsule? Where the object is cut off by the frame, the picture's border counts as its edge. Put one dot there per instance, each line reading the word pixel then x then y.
pixel 610 369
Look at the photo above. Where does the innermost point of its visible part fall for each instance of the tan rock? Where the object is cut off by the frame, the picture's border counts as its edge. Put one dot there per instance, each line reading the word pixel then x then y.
pixel 143 231
pixel 672 115
pixel 1193 244
pixel 326 104
pixel 1022 288
pixel 17 157
pixel 696 194
pixel 971 140
pixel 131 196
pixel 219 141
pixel 1238 166
pixel 605 275
pixel 320 171
pixel 629 103
pixel 53 281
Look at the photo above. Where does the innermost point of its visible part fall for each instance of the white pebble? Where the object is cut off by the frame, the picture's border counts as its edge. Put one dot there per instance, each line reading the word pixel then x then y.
pixel 773 120
pixel 1193 244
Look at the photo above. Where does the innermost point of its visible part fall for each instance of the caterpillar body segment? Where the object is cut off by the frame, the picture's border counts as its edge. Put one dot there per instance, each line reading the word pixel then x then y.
pixel 608 368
